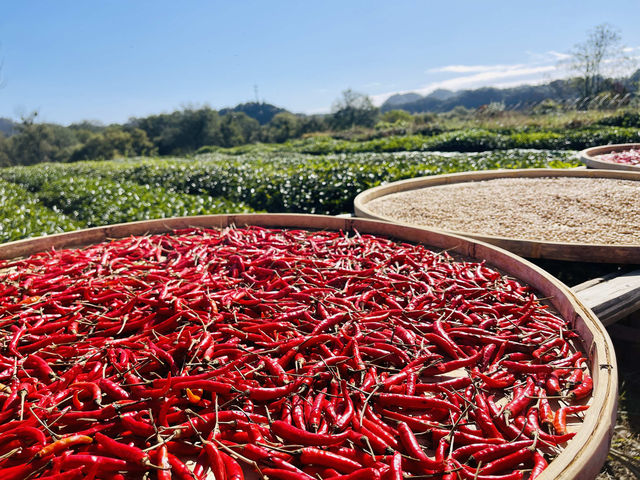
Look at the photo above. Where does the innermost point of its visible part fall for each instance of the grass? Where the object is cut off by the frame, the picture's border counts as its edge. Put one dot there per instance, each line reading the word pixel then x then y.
pixel 623 461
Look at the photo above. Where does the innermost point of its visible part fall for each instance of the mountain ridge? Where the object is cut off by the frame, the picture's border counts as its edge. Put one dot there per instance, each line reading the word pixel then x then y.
pixel 442 100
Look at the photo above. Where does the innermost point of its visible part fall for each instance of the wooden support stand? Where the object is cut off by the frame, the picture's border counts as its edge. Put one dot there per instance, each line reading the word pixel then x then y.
pixel 612 297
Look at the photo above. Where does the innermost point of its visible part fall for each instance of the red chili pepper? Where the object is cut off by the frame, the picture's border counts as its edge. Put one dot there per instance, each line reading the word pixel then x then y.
pixel 582 390
pixel 575 377
pixel 368 473
pixel 494 452
pixel 179 468
pixel 282 474
pixel 138 427
pixel 112 389
pixel 367 440
pixel 302 437
pixel 73 474
pixel 380 432
pixel 207 385
pixel 40 365
pixel 469 473
pixel 521 399
pixel 122 450
pixel 315 456
pixel 413 448
pixel 256 325
pixel 468 450
pixel 539 465
pixel 419 402
pixel 233 468
pixel 215 461
pixel 560 421
pixel 521 424
pixel 106 464
pixel 507 462
pixel 162 460
pixel 497 383
pixel 262 394
pixel 63 444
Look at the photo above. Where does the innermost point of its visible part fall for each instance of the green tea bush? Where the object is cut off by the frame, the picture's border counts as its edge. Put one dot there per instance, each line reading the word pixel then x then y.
pixel 104 192
pixel 467 140
pixel 98 201
pixel 21 215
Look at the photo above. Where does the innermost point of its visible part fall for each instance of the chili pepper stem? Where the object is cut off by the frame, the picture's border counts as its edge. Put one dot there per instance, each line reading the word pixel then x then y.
pixel 54 435
pixel 10 453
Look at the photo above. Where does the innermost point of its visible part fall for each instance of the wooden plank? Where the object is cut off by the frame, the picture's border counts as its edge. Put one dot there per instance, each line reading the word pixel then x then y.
pixel 594 281
pixel 612 298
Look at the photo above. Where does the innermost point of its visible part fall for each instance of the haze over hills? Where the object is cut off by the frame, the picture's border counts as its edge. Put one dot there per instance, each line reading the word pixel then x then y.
pixel 445 100
pixel 7 127
pixel 438 101
pixel 442 100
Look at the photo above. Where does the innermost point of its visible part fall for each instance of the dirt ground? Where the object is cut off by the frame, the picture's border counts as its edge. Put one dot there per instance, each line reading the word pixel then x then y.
pixel 624 457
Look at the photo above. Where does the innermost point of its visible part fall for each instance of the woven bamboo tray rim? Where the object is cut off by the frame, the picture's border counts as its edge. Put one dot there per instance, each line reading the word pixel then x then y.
pixel 584 455
pixel 588 157
pixel 571 251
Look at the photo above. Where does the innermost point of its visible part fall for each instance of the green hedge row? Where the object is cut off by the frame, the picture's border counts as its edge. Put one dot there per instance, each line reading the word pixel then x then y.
pixel 100 201
pixel 301 183
pixel 21 215
pixel 469 140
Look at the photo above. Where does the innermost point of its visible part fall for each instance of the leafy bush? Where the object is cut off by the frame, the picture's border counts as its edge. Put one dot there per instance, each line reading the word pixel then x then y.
pixel 21 215
pixel 102 202
pixel 467 140
pixel 98 193
pixel 294 182
pixel 622 119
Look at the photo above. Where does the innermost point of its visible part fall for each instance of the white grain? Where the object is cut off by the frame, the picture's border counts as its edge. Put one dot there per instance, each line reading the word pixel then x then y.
pixel 554 209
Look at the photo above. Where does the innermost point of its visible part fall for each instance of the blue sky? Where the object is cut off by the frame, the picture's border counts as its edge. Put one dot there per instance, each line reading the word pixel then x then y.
pixel 111 60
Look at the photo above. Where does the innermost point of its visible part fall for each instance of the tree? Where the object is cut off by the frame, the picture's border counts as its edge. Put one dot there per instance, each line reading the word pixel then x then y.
pixel 114 142
pixel 40 142
pixel 396 116
pixel 181 131
pixel 282 127
pixel 237 128
pixel 353 109
pixel 602 54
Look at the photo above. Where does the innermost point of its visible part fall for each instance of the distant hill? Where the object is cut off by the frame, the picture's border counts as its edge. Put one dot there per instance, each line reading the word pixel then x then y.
pixel 401 99
pixel 442 94
pixel 262 112
pixel 7 127
pixel 515 97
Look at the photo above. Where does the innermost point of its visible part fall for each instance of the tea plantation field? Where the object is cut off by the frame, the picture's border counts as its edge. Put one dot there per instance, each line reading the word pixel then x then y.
pixel 54 197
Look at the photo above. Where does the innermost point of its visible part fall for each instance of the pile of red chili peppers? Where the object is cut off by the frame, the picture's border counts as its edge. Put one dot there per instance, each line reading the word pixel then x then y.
pixel 288 355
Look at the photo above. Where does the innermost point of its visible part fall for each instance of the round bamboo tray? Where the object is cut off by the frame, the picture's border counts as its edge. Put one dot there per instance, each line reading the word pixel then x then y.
pixel 589 157
pixel 585 453
pixel 581 252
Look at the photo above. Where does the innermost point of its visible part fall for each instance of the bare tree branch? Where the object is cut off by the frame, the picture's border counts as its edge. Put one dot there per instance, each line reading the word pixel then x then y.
pixel 601 55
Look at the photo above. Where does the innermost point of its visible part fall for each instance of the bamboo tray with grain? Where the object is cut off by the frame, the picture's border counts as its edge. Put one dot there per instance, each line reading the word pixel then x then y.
pixel 560 214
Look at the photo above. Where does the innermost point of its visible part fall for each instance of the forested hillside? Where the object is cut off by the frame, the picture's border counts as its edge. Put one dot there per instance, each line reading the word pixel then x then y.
pixel 544 116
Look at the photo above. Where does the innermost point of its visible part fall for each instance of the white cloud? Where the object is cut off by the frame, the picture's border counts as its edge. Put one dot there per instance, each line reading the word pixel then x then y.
pixel 559 55
pixel 539 68
pixel 486 75
pixel 473 68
